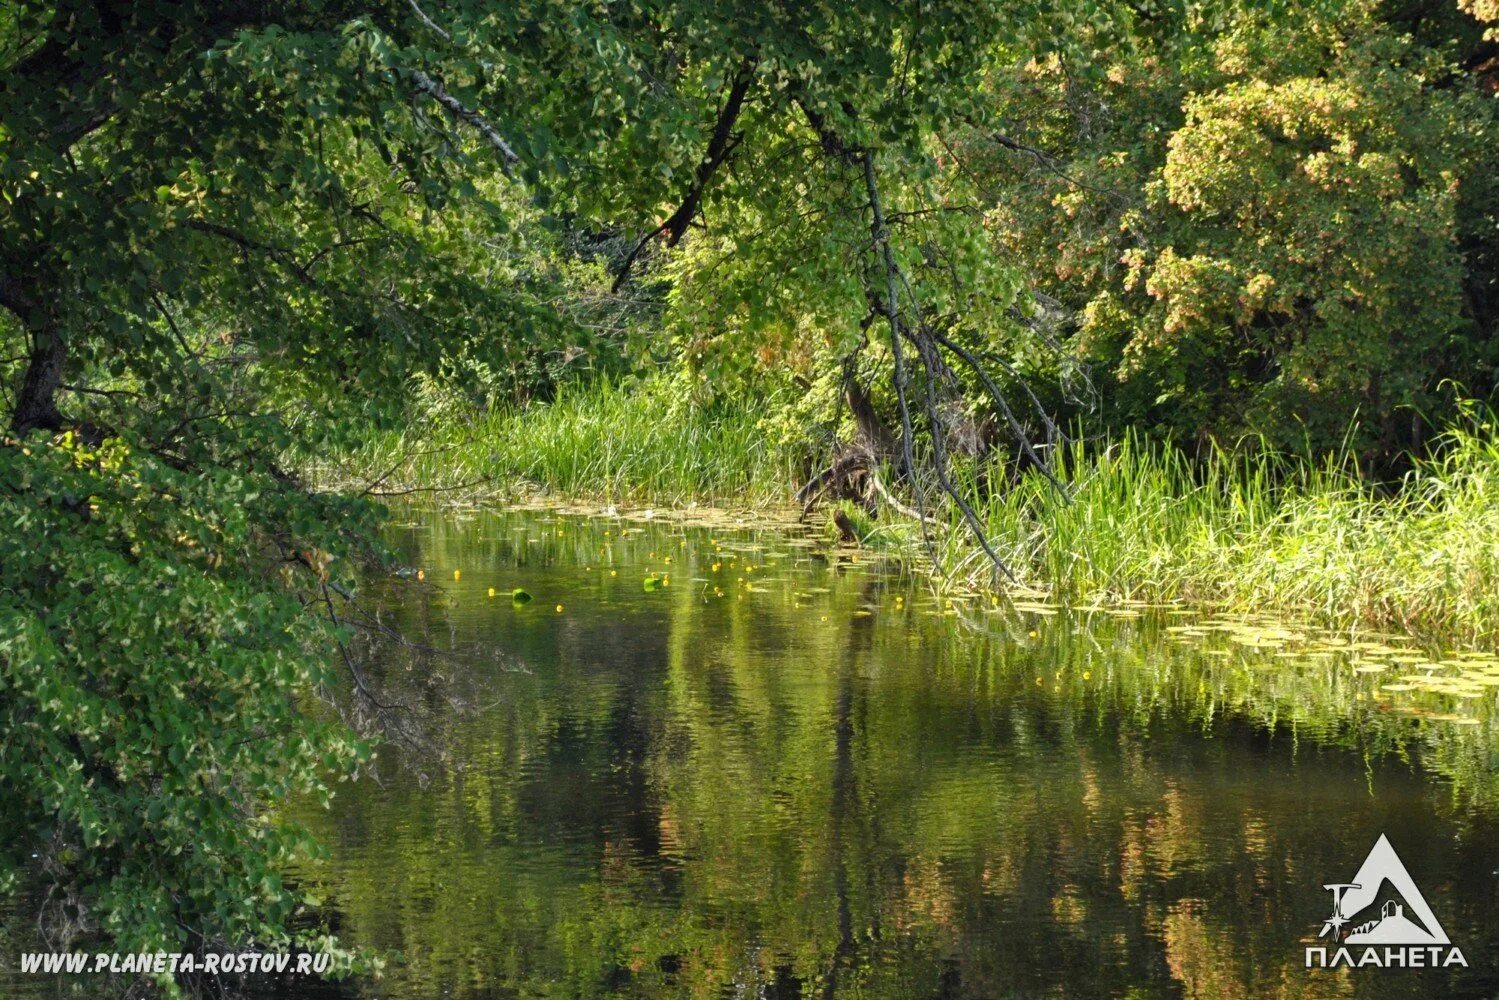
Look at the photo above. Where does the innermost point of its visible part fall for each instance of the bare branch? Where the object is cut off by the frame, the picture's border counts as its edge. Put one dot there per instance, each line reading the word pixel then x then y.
pixel 1050 163
pixel 244 242
pixel 429 489
pixel 999 398
pixel 431 24
pixel 934 367
pixel 468 116
pixel 891 309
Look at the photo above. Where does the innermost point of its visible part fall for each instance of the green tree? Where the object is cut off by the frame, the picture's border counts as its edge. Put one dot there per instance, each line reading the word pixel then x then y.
pixel 1269 220
pixel 228 227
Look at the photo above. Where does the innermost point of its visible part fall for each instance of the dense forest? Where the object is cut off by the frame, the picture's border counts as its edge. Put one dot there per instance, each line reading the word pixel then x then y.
pixel 1138 298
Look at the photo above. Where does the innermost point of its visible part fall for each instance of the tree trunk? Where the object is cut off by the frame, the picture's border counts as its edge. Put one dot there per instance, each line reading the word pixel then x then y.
pixel 36 406
pixel 872 432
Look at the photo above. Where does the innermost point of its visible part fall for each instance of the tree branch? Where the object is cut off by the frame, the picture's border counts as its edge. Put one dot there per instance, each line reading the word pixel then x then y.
pixel 431 24
pixel 933 365
pixel 280 254
pixel 468 116
pixel 891 309
pixel 1024 439
pixel 720 145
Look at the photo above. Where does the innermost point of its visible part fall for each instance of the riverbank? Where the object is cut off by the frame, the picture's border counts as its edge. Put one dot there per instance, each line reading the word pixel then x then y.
pixel 1139 521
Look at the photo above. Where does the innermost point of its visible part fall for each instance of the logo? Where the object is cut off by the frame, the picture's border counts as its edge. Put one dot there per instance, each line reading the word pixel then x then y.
pixel 1381 919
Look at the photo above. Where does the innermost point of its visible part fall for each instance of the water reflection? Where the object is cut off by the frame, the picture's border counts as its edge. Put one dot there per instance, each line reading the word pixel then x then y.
pixel 780 773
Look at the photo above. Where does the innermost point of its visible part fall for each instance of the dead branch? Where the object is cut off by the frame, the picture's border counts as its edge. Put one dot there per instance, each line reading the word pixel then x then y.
pixel 431 24
pixel 934 367
pixel 468 116
pixel 999 398
pixel 891 309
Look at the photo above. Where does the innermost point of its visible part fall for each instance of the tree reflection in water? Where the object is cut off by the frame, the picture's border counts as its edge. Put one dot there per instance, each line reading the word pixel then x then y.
pixel 806 788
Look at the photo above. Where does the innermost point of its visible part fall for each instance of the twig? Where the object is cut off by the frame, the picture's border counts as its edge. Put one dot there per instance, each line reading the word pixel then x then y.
pixel 343 650
pixel 1004 406
pixel 895 505
pixel 433 25
pixel 428 489
pixel 107 393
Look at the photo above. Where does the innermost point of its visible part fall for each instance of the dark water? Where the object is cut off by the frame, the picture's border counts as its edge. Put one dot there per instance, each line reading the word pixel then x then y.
pixel 797 775
pixel 829 785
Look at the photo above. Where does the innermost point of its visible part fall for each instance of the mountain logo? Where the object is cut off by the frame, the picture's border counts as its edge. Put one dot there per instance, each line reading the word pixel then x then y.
pixel 1391 924
pixel 1383 906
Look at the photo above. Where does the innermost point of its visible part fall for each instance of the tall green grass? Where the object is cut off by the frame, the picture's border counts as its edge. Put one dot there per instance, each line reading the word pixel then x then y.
pixel 1255 532
pixel 1140 520
pixel 606 441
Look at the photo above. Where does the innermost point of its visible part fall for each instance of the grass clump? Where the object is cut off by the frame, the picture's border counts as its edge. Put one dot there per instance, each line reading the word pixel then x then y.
pixel 646 442
pixel 1254 531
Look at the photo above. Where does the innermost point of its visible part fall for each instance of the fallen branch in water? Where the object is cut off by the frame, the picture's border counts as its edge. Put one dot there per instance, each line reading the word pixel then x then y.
pixel 429 489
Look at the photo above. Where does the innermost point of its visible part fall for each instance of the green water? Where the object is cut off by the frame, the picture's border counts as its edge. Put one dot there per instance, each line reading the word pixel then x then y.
pixel 800 775
pixel 778 770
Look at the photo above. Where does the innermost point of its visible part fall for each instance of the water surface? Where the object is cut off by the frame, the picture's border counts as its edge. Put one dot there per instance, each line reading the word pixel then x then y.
pixel 780 771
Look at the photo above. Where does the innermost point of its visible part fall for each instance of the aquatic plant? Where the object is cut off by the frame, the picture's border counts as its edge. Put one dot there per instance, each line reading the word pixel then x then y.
pixel 1242 527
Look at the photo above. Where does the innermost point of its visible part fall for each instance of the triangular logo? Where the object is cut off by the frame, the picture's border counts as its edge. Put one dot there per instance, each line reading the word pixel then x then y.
pixel 1381 905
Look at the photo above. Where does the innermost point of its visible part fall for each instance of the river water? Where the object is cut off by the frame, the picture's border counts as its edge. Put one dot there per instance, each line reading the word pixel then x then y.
pixel 727 762
pixel 714 760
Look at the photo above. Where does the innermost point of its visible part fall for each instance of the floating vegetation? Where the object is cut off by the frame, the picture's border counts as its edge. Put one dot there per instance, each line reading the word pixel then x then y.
pixel 1236 659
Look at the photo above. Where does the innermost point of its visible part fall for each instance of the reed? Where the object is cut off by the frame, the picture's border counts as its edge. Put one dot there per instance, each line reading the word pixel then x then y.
pixel 1250 531
pixel 605 441
pixel 1239 528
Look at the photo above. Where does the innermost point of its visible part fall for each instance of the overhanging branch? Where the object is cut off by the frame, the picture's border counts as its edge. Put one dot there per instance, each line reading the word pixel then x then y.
pixel 468 116
pixel 720 144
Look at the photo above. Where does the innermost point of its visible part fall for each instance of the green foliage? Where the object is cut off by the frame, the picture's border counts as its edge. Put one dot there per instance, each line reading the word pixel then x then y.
pixel 1265 220
pixel 153 689
pixel 218 212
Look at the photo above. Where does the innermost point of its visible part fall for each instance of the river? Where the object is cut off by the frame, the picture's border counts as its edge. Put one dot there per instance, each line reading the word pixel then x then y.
pixel 726 761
